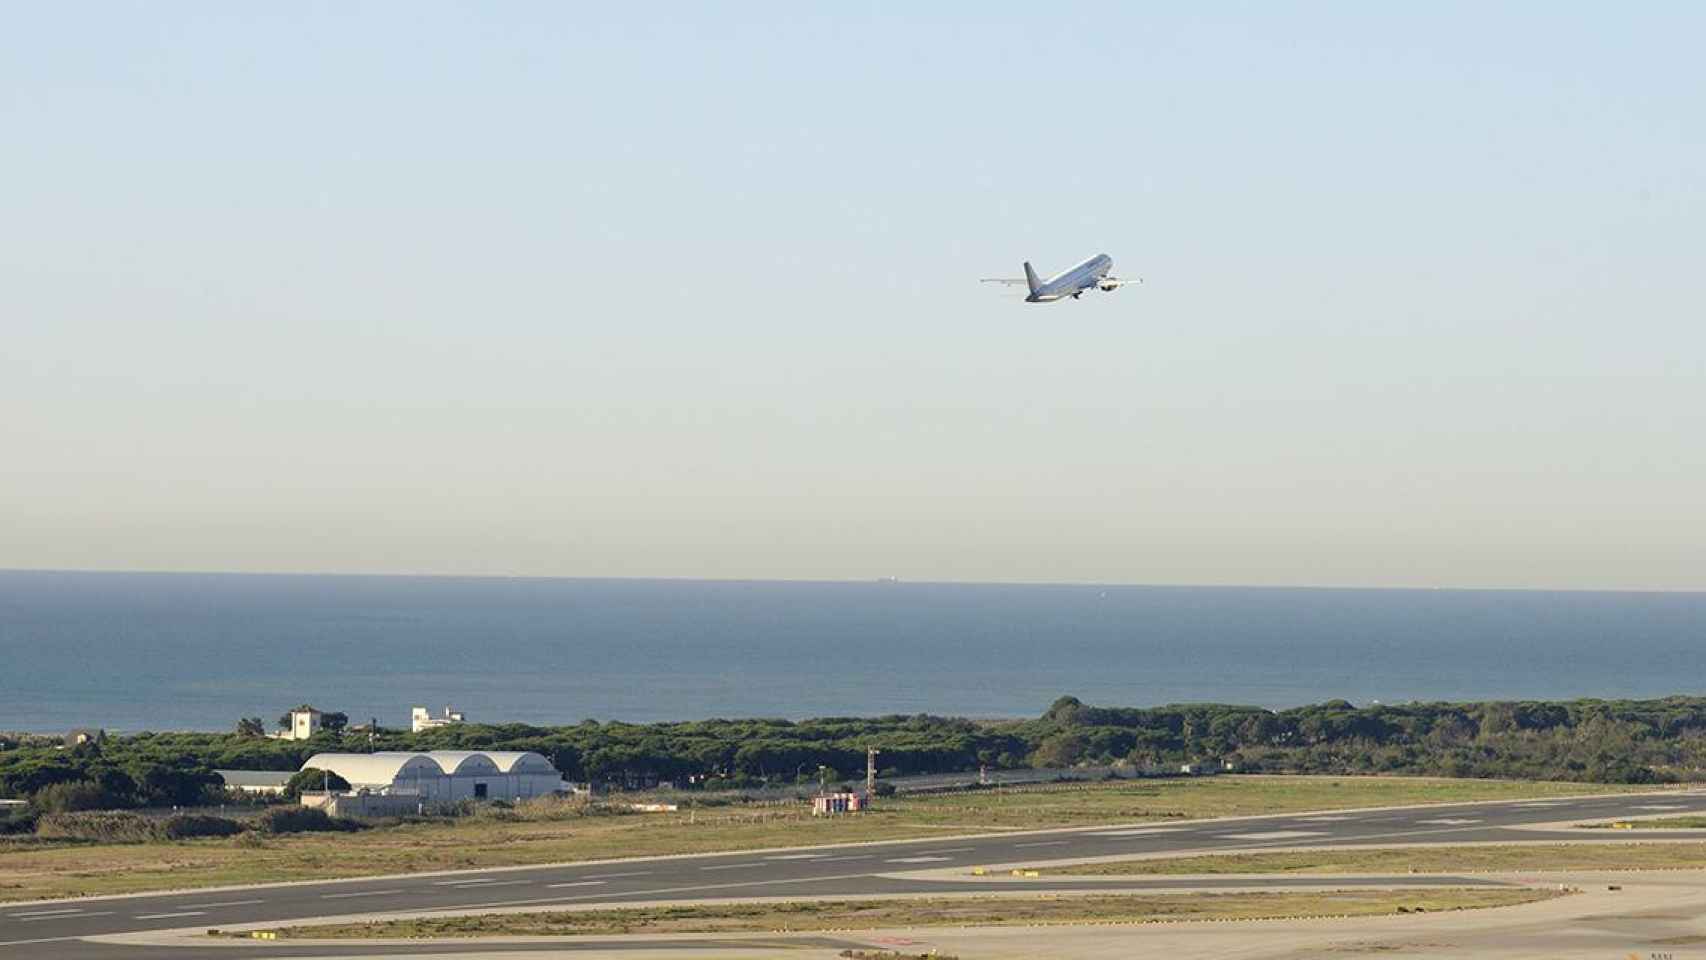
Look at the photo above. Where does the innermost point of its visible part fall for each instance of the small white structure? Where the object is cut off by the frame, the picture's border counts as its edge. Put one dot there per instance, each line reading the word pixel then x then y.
pixel 444 776
pixel 304 723
pixel 830 804
pixel 421 719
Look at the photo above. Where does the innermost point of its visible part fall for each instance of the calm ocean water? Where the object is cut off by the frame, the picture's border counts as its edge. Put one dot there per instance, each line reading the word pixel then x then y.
pixel 192 651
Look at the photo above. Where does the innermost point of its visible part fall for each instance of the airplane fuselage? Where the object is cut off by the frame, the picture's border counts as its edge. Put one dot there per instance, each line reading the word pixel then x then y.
pixel 1073 281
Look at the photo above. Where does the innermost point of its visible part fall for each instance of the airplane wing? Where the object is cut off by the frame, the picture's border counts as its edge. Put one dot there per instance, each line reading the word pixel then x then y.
pixel 1117 282
pixel 1018 280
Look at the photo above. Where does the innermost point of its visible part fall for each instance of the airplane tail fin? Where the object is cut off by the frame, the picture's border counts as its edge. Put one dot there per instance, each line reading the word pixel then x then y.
pixel 1031 277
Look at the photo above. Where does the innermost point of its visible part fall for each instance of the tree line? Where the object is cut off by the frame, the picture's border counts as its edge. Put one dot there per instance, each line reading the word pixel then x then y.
pixel 1587 740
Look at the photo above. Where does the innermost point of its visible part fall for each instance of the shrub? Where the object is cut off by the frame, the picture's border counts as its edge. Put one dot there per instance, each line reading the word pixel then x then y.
pixel 109 827
pixel 302 820
pixel 17 821
pixel 72 795
pixel 185 825
pixel 883 789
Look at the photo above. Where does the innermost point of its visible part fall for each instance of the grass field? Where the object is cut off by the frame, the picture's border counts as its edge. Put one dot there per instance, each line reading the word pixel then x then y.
pixel 806 916
pixel 1550 856
pixel 35 872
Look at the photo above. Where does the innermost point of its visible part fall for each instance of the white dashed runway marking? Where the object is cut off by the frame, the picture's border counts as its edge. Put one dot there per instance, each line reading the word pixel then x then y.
pixel 918 859
pixel 1136 832
pixel 1450 821
pixel 1274 835
pixel 577 883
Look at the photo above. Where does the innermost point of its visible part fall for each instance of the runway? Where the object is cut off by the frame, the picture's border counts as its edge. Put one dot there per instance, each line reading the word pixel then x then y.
pixel 53 929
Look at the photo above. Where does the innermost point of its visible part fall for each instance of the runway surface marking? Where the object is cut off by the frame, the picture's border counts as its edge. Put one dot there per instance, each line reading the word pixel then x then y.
pixel 44 913
pixel 362 893
pixel 950 850
pixel 494 883
pixel 19 943
pixel 167 916
pixel 1274 835
pixel 1044 843
pixel 796 856
pixel 466 881
pixel 72 916
pixel 1450 821
pixel 735 866
pixel 1324 819
pixel 862 856
pixel 577 883
pixel 1144 832
pixel 612 876
pixel 1659 806
pixel 918 859
pixel 224 903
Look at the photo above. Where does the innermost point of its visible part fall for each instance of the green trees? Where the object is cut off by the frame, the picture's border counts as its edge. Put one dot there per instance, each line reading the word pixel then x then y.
pixel 1610 740
pixel 312 779
pixel 251 727
pixel 73 795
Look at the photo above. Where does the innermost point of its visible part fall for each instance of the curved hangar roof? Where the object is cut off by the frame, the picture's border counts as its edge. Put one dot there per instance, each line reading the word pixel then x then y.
pixel 389 766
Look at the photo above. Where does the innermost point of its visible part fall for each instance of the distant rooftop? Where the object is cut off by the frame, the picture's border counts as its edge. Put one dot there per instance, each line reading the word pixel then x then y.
pixel 256 778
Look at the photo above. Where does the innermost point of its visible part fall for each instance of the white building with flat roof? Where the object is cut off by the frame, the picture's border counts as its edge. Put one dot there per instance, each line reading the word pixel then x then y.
pixel 442 776
pixel 422 719
pixel 304 723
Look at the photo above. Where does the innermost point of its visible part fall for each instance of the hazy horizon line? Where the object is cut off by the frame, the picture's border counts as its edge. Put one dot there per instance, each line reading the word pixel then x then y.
pixel 884 580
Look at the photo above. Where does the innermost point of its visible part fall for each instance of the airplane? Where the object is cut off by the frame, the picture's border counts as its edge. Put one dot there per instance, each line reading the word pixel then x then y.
pixel 1070 283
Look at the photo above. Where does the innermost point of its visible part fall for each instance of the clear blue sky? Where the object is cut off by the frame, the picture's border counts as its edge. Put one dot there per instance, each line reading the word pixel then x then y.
pixel 690 291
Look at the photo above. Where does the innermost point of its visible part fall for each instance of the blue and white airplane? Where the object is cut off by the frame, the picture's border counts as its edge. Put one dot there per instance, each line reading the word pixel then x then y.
pixel 1092 273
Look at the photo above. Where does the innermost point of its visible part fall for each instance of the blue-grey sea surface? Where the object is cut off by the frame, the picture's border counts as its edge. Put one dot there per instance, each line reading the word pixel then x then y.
pixel 134 651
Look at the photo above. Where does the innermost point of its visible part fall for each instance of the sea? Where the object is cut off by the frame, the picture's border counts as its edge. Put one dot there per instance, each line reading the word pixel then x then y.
pixel 170 651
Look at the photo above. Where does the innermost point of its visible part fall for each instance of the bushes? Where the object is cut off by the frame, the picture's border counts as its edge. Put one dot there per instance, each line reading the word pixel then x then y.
pixel 17 821
pixel 74 795
pixel 302 820
pixel 186 825
pixel 121 827
pixel 109 827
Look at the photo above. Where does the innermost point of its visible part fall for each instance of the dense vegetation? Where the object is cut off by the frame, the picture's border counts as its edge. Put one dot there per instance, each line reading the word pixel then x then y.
pixel 1591 740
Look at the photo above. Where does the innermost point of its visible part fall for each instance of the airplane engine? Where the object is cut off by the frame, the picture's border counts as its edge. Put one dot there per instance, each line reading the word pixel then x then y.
pixel 1109 287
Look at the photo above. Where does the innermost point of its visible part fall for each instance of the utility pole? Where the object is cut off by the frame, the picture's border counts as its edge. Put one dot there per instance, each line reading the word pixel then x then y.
pixel 871 773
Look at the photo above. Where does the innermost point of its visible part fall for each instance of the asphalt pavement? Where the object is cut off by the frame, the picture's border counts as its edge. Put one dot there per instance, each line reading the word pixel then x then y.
pixel 54 929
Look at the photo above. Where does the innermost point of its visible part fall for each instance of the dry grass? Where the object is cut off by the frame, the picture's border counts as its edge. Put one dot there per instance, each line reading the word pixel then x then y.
pixel 1443 859
pixel 1661 823
pixel 556 835
pixel 939 911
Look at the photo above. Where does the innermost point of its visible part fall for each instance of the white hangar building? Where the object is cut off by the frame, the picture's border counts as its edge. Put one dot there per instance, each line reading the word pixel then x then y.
pixel 445 775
